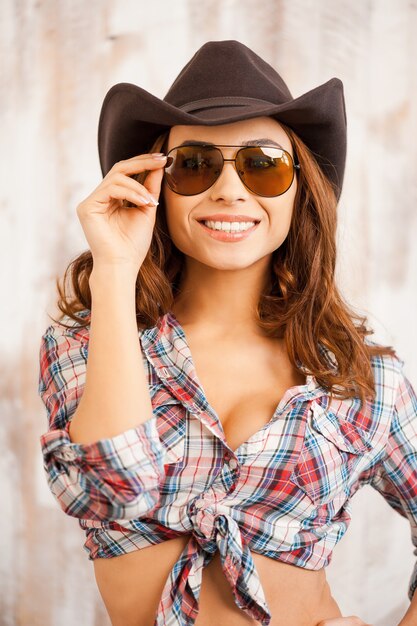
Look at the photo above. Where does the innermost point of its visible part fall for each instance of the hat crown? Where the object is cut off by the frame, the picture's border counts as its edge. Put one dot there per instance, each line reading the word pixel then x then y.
pixel 227 68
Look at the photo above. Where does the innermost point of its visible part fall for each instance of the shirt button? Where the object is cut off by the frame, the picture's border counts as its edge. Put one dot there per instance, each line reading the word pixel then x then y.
pixel 199 504
pixel 233 464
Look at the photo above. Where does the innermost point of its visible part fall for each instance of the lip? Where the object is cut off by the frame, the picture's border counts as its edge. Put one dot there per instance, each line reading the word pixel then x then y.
pixel 229 237
pixel 226 217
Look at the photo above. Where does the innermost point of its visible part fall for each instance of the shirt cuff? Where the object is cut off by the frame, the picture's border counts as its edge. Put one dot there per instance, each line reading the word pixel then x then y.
pixel 108 478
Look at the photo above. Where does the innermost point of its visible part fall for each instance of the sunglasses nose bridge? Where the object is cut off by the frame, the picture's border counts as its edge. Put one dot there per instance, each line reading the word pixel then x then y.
pixel 233 164
pixel 231 161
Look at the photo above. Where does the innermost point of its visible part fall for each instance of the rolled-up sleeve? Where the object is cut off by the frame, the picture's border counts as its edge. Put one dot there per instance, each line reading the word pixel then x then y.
pixel 395 476
pixel 108 479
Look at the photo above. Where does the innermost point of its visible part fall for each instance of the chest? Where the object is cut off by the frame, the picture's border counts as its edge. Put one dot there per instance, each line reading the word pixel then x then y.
pixel 243 382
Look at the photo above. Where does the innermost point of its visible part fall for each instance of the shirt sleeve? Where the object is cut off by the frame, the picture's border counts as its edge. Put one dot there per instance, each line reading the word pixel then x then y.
pixel 109 479
pixel 396 474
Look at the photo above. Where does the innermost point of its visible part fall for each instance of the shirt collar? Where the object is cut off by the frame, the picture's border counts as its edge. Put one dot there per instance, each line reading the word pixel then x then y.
pixel 165 346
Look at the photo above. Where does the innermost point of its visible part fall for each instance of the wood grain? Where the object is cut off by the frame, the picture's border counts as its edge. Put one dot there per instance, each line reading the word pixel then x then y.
pixel 57 60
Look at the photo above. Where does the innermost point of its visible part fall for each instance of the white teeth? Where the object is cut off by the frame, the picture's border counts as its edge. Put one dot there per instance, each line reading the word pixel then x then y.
pixel 229 226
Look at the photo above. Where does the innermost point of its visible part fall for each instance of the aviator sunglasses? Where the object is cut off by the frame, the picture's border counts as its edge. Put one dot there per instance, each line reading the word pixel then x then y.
pixel 265 170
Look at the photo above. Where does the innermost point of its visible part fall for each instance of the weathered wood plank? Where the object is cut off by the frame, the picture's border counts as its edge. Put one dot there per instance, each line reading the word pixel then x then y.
pixel 57 60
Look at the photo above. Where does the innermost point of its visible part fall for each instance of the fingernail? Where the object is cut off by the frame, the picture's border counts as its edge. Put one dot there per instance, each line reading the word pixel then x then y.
pixel 143 199
pixel 158 156
pixel 152 201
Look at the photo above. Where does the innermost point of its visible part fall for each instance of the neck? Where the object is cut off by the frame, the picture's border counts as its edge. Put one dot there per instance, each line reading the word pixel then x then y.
pixel 223 301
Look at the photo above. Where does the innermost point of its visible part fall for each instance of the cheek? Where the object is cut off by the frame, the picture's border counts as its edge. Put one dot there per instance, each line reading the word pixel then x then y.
pixel 280 216
pixel 177 215
pixel 171 201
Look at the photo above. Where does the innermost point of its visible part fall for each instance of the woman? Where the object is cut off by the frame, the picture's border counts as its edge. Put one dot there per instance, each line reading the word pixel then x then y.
pixel 211 462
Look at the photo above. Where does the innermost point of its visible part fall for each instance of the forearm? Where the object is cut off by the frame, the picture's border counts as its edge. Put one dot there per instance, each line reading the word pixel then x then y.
pixel 116 395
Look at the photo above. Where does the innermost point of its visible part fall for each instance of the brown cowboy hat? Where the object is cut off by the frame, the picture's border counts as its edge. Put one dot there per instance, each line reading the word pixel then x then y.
pixel 225 81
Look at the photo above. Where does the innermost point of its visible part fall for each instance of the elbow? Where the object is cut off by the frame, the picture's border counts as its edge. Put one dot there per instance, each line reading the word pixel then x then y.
pixel 86 497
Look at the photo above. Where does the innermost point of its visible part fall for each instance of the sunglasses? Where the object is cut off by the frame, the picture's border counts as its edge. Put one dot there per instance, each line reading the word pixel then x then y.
pixel 264 170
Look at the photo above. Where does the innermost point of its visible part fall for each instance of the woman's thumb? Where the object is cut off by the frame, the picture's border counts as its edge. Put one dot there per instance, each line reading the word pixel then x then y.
pixel 153 181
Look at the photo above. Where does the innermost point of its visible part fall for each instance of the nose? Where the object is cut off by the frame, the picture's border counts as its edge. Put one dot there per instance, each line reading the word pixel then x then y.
pixel 228 186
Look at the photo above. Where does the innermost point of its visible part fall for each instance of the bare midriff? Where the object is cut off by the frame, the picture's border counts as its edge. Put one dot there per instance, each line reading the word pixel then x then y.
pixel 131 586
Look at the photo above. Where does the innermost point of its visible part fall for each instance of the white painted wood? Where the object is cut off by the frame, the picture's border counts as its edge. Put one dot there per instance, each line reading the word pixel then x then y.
pixel 57 60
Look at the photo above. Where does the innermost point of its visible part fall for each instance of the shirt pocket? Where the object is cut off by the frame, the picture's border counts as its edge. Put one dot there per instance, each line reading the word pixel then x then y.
pixel 171 418
pixel 333 451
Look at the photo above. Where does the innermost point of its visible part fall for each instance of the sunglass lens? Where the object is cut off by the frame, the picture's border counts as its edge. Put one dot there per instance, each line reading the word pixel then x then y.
pixel 266 171
pixel 193 169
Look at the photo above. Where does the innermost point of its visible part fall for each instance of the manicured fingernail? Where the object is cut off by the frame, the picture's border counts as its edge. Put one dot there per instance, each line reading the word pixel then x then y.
pixel 143 199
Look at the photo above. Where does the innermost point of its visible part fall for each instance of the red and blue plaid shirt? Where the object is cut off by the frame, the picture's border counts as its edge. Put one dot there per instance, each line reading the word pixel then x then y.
pixel 284 493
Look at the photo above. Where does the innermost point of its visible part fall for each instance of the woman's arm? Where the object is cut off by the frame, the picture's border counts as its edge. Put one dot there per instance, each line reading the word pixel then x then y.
pixel 395 476
pixel 116 395
pixel 109 466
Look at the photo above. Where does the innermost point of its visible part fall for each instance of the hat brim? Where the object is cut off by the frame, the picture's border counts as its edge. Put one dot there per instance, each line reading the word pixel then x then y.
pixel 131 118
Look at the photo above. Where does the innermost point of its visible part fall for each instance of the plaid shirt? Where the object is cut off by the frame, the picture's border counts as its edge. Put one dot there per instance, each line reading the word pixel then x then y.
pixel 284 493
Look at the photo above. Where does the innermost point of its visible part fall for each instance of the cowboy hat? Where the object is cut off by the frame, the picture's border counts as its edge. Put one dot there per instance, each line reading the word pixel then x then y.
pixel 223 82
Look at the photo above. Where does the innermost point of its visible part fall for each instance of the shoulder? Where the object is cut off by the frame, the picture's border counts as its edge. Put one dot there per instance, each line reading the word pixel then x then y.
pixel 386 362
pixel 388 373
pixel 66 327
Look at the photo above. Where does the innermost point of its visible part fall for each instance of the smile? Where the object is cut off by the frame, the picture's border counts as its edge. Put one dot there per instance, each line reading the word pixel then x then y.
pixel 229 231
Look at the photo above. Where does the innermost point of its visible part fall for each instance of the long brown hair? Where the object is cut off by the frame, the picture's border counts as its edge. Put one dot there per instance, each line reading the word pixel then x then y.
pixel 301 302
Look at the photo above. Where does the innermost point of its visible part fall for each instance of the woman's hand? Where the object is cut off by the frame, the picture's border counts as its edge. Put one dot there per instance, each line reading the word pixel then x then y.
pixel 117 234
pixel 351 620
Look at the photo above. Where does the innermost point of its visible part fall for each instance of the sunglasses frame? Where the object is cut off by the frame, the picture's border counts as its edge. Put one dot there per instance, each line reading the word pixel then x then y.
pixel 295 166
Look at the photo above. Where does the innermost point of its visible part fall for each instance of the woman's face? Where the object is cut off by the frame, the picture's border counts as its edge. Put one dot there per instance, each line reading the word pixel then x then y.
pixel 229 196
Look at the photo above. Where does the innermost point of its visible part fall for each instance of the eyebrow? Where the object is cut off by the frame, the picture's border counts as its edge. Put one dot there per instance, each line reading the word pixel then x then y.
pixel 249 142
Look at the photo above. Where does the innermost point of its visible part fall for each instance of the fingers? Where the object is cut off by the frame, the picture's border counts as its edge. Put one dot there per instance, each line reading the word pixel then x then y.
pixel 153 182
pixel 133 185
pixel 122 172
pixel 99 201
pixel 350 620
pixel 137 164
pixel 121 192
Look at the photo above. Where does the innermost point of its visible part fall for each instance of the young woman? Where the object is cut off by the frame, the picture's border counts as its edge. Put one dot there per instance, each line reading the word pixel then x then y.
pixel 213 403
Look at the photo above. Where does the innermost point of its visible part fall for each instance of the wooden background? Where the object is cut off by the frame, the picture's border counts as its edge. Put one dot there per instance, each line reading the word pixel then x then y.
pixel 58 58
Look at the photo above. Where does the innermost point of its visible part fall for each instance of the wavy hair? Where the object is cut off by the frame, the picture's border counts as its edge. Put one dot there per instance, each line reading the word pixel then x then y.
pixel 301 302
